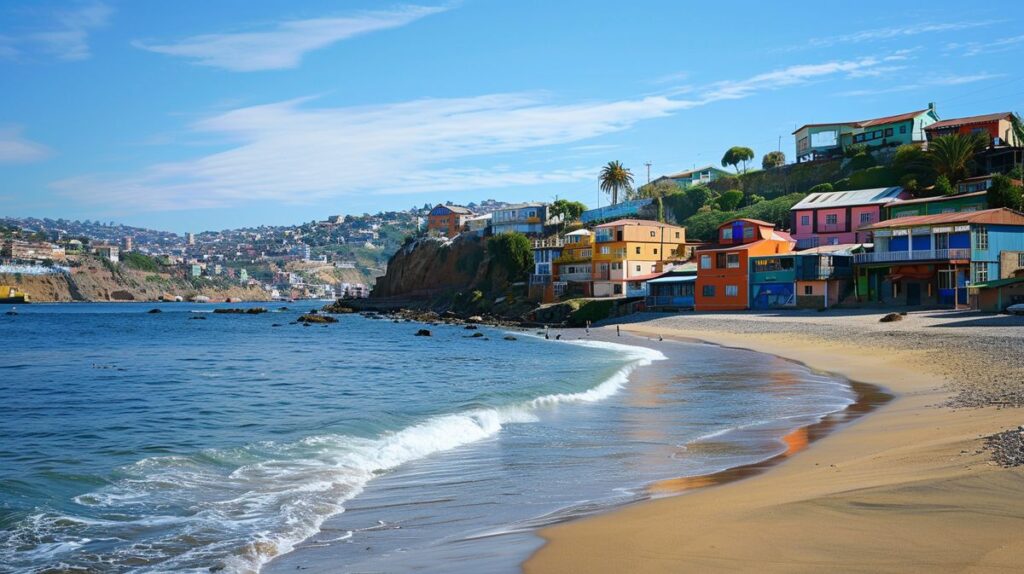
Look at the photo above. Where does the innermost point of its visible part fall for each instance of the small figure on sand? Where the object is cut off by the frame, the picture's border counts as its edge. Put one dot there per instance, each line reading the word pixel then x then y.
pixel 618 333
pixel 588 326
pixel 546 336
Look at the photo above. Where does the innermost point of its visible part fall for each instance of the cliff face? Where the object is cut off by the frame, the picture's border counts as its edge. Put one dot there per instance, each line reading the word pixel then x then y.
pixel 93 281
pixel 428 266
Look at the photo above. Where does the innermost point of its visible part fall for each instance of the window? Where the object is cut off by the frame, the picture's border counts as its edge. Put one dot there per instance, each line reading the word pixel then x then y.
pixel 720 260
pixel 708 290
pixel 903 129
pixel 981 238
pixel 726 233
pixel 638 250
pixel 941 241
pixel 677 235
pixel 605 250
pixel 805 220
pixel 617 266
pixel 866 218
pixel 655 250
pixel 888 132
pixel 802 144
pixel 1020 259
pixel 732 291
pixel 705 262
pixel 946 279
pixel 832 219
pixel 748 232
pixel 732 260
pixel 808 290
pixel 980 272
pixel 637 268
pixel 652 234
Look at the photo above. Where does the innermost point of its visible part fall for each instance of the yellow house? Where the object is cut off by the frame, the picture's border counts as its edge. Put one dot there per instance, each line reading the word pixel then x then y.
pixel 574 262
pixel 628 249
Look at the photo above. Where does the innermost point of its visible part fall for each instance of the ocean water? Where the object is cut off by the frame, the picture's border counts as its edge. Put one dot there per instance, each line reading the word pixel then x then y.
pixel 137 442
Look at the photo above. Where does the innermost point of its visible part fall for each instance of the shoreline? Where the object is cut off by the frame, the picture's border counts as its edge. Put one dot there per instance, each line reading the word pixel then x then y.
pixel 905 476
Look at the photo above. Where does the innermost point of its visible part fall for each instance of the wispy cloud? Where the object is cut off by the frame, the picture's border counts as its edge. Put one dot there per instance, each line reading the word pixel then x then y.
pixel 890 33
pixel 68 39
pixel 929 82
pixel 16 149
pixel 284 45
pixel 987 47
pixel 295 151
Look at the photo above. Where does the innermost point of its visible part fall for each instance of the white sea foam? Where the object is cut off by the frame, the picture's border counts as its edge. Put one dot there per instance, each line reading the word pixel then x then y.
pixel 248 513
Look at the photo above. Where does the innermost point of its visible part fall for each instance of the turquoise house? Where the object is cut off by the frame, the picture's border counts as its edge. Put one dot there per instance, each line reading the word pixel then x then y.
pixel 697 176
pixel 825 141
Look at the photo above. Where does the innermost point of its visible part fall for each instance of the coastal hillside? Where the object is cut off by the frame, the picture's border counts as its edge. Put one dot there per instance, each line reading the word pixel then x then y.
pixel 94 279
pixel 428 266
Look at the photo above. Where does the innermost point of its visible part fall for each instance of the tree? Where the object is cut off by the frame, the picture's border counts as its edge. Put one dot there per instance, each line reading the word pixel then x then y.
pixel 773 159
pixel 660 188
pixel 615 178
pixel 513 252
pixel 1002 193
pixel 730 200
pixel 943 187
pixel 821 188
pixel 953 155
pixel 569 210
pixel 737 155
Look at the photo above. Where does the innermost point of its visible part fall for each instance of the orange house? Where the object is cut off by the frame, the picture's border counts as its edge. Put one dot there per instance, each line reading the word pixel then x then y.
pixel 447 220
pixel 723 272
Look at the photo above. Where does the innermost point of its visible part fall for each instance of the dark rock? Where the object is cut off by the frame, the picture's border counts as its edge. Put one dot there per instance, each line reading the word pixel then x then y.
pixel 509 338
pixel 197 318
pixel 470 327
pixel 423 333
pixel 236 311
pixel 151 311
pixel 476 335
pixel 891 317
pixel 276 325
pixel 311 318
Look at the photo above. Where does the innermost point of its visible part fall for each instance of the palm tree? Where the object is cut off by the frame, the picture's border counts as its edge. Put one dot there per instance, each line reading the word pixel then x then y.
pixel 613 178
pixel 953 155
pixel 1017 125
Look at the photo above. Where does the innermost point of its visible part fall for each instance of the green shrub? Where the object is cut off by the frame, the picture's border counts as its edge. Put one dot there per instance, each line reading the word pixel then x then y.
pixel 593 311
pixel 821 188
pixel 943 187
pixel 854 150
pixel 873 177
pixel 1003 193
pixel 512 251
pixel 861 161
pixel 730 200
pixel 141 262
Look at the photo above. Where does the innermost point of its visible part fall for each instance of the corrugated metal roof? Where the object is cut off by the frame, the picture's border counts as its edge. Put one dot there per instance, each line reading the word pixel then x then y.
pixel 620 222
pixel 998 216
pixel 874 196
pixel 939 198
pixel 674 279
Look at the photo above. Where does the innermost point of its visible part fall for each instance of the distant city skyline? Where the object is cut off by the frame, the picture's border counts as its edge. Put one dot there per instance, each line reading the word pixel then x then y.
pixel 199 116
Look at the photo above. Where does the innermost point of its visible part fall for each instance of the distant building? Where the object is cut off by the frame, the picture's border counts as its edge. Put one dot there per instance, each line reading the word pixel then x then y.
pixel 109 252
pixel 621 210
pixel 447 220
pixel 29 250
pixel 126 244
pixel 243 275
pixel 479 224
pixel 525 218
pixel 996 128
pixel 963 202
pixel 697 176
pixel 824 141
pixel 190 238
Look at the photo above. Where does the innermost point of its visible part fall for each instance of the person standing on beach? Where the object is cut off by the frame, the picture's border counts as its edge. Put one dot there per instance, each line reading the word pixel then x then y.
pixel 588 326
pixel 618 333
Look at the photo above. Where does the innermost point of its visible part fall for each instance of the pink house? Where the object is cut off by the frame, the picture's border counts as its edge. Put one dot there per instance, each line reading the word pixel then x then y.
pixel 833 217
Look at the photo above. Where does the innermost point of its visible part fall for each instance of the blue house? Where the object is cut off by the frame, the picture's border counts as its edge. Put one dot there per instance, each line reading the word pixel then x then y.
pixel 817 278
pixel 621 210
pixel 933 259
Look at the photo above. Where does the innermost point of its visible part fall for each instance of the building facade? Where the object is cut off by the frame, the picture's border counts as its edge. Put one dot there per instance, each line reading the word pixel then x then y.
pixel 834 217
pixel 932 259
pixel 723 273
pixel 447 220
pixel 525 218
pixel 964 202
pixel 697 176
pixel 824 141
pixel 630 248
pixel 997 129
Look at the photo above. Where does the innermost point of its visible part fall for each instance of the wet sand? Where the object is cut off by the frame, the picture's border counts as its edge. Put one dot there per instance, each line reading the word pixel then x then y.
pixel 906 488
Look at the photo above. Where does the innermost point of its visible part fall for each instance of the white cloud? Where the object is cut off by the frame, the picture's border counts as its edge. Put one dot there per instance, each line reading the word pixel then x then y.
pixel 988 47
pixel 877 34
pixel 68 39
pixel 297 152
pixel 930 82
pixel 285 44
pixel 16 149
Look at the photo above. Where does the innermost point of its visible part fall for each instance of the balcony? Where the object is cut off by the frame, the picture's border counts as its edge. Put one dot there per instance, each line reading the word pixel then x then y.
pixel 549 243
pixel 674 301
pixel 908 256
pixel 576 277
pixel 539 279
pixel 832 228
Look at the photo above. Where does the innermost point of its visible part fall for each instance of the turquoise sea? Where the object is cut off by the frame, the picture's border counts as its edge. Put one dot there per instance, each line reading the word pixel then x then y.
pixel 193 441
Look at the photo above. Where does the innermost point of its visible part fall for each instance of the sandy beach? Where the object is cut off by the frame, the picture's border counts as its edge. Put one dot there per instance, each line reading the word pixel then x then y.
pixel 910 487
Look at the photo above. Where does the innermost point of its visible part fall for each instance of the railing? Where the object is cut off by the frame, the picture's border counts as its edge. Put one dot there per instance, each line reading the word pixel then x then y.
pixel 552 242
pixel 678 301
pixel 832 228
pixel 539 279
pixel 618 253
pixel 919 255
pixel 575 276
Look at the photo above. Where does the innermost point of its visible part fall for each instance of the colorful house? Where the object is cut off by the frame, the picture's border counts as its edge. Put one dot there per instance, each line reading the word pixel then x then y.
pixel 697 176
pixel 723 275
pixel 824 141
pixel 932 259
pixel 979 183
pixel 833 217
pixel 574 263
pixel 996 296
pixel 630 248
pixel 996 128
pixel 814 279
pixel 525 218
pixel 964 202
pixel 672 290
pixel 621 210
pixel 447 220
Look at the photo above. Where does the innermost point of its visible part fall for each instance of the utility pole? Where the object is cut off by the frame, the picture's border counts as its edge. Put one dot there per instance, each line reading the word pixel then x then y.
pixel 648 164
pixel 780 143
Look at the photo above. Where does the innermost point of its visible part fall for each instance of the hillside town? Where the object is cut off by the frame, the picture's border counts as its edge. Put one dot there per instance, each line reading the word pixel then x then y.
pixel 908 210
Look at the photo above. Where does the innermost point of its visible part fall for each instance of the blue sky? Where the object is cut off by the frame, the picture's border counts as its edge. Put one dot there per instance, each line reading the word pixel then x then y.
pixel 195 115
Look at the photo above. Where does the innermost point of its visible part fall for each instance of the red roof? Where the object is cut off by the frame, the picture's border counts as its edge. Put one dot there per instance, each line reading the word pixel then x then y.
pixel 969 120
pixel 891 119
pixel 998 216
pixel 754 221
pixel 645 277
